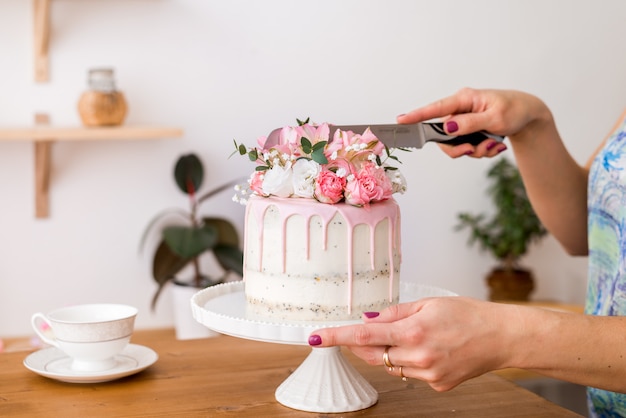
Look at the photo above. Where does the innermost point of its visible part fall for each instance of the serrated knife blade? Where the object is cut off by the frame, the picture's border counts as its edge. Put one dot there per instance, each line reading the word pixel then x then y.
pixel 414 135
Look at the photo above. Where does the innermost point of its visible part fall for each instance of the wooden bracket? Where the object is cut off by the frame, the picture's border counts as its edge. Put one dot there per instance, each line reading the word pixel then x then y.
pixel 41 12
pixel 43 159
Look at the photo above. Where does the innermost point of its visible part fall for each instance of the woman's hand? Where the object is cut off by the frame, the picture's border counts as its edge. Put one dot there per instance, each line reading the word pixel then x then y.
pixel 448 340
pixel 501 112
pixel 442 341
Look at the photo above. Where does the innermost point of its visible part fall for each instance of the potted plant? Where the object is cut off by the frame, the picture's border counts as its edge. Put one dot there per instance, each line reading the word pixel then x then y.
pixel 507 234
pixel 192 236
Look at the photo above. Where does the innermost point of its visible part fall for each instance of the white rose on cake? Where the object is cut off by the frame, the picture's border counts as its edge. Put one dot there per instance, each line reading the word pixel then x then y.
pixel 304 174
pixel 277 181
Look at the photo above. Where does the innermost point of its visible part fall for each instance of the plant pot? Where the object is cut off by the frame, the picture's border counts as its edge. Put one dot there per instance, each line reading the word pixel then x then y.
pixel 187 328
pixel 514 285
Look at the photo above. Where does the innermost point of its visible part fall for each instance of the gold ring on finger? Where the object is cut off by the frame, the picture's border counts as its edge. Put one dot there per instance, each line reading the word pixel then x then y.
pixel 404 378
pixel 386 360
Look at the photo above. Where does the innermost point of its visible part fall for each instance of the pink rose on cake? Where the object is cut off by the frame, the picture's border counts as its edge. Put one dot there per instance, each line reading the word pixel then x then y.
pixel 370 184
pixel 305 163
pixel 329 187
pixel 255 182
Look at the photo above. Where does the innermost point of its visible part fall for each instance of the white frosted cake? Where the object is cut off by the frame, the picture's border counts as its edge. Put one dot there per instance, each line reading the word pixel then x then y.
pixel 306 260
pixel 322 231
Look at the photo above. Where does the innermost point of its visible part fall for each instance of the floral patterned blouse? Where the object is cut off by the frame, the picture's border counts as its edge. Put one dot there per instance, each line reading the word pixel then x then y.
pixel 606 292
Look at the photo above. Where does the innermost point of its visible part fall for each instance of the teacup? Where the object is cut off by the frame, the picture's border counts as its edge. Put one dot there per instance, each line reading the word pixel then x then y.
pixel 92 335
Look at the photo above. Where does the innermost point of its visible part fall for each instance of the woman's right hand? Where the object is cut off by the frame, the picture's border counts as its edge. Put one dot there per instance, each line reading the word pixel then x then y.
pixel 501 112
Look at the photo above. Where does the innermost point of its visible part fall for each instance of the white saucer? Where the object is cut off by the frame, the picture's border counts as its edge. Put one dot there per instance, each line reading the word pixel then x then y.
pixel 53 363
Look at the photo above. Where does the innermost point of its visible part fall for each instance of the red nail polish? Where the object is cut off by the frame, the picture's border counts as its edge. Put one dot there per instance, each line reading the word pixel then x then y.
pixel 315 340
pixel 371 315
pixel 502 148
pixel 452 126
pixel 491 145
pixel 469 152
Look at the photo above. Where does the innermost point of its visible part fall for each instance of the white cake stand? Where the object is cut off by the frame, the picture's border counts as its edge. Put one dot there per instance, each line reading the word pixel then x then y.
pixel 325 382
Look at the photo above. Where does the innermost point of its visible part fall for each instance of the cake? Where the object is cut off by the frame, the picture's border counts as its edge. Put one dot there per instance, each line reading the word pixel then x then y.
pixel 322 230
pixel 305 260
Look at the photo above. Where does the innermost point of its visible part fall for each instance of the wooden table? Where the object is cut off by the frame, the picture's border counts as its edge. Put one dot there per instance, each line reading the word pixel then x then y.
pixel 230 377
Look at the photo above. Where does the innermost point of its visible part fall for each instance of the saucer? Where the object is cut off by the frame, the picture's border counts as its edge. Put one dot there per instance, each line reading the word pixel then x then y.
pixel 55 364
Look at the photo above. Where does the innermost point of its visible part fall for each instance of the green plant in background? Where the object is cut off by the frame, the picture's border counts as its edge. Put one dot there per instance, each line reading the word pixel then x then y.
pixel 193 235
pixel 513 226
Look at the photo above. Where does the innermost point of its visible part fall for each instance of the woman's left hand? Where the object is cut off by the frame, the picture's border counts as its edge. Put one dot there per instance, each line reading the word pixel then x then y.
pixel 442 341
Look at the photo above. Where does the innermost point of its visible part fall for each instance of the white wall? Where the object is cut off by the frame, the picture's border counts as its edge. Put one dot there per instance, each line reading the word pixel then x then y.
pixel 237 69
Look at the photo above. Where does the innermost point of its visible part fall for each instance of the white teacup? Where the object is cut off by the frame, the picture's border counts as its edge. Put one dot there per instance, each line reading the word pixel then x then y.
pixel 92 335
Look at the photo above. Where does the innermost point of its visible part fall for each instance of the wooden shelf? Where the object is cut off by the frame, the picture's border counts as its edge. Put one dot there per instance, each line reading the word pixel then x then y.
pixel 44 136
pixel 49 133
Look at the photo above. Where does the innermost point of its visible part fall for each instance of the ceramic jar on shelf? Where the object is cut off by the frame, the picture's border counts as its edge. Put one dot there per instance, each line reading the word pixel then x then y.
pixel 102 104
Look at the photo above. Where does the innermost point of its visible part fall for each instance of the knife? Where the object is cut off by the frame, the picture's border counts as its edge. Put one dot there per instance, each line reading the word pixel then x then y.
pixel 414 135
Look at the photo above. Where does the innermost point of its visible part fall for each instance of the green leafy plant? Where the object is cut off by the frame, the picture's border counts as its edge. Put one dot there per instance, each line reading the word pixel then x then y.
pixel 193 235
pixel 508 233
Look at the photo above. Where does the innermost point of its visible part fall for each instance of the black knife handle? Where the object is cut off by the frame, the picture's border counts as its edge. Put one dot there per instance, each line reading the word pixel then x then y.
pixel 473 139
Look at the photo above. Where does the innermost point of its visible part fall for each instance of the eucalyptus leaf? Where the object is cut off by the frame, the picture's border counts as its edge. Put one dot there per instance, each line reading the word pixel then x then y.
pixel 319 157
pixel 253 155
pixel 319 145
pixel 306 145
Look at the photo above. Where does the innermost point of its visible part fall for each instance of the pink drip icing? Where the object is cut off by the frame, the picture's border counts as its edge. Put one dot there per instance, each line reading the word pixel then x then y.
pixel 392 269
pixel 372 245
pixel 353 216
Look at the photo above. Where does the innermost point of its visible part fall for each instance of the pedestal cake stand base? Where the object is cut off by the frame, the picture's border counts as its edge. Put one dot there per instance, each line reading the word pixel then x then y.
pixel 325 382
